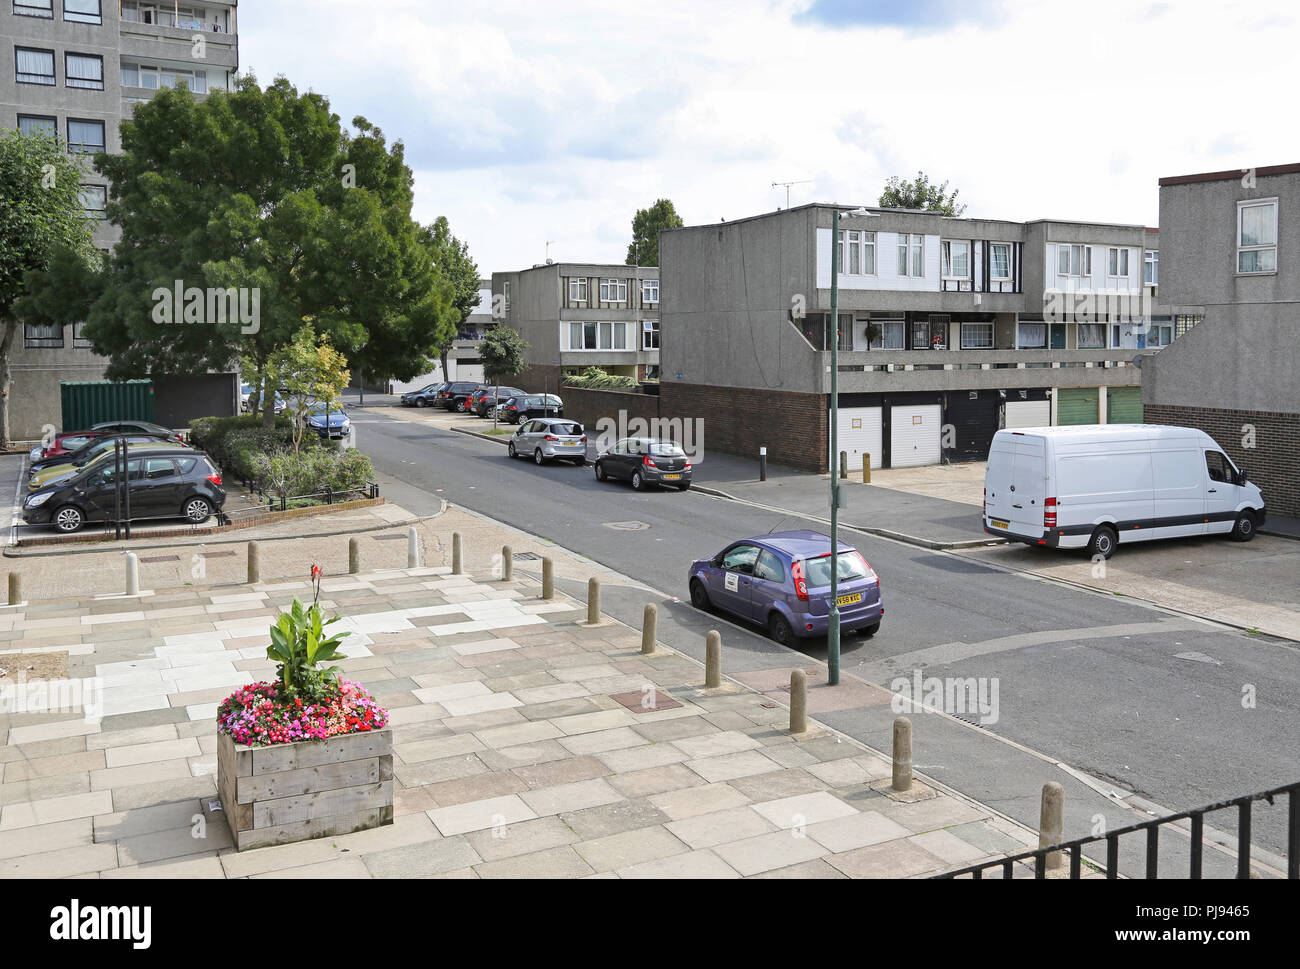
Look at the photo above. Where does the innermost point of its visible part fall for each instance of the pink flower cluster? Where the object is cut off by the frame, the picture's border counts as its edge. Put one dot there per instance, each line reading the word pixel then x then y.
pixel 258 716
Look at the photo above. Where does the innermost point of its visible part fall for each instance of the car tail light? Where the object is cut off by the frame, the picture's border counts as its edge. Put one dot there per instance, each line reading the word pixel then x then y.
pixel 584 439
pixel 688 466
pixel 648 461
pixel 215 478
pixel 800 586
pixel 551 437
pixel 1049 513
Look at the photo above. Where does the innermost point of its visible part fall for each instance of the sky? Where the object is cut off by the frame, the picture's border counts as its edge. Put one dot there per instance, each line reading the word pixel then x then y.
pixel 527 123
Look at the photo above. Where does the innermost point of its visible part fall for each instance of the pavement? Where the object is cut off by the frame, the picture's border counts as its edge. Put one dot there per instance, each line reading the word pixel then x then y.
pixel 527 744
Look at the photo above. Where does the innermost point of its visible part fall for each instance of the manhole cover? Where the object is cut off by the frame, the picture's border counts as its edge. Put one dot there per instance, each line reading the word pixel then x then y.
pixel 626 526
pixel 526 556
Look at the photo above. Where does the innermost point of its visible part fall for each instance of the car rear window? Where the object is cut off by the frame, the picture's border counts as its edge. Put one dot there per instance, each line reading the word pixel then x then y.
pixel 567 428
pixel 667 450
pixel 817 571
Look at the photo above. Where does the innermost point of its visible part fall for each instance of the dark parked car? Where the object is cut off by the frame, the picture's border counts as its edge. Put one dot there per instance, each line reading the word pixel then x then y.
pixel 524 406
pixel 454 395
pixel 165 482
pixel 424 397
pixel 94 448
pixel 64 443
pixel 645 461
pixel 547 438
pixel 782 581
pixel 138 427
pixel 487 397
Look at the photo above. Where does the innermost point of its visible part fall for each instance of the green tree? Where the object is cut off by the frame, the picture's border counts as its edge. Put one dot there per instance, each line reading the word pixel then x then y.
pixel 502 353
pixel 643 250
pixel 256 200
pixel 311 372
pixel 451 257
pixel 923 194
pixel 41 217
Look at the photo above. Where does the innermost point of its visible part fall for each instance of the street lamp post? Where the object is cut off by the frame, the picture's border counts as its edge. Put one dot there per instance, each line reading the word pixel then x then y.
pixel 833 621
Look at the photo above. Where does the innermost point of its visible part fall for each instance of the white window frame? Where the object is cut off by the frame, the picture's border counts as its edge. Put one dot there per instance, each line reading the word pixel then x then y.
pixel 97 213
pixel 1117 262
pixel 650 291
pixel 1151 267
pixel 613 290
pixel 946 259
pixel 1081 267
pixel 911 252
pixel 34 8
pixel 649 328
pixel 577 289
pixel 967 346
pixel 879 343
pixel 1270 247
pixel 993 262
pixel 860 245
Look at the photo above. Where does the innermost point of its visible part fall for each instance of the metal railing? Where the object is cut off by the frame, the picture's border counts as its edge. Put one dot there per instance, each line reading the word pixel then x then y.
pixel 1039 856
pixel 329 496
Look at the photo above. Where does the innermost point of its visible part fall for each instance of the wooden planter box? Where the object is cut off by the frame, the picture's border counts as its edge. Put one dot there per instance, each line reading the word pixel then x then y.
pixel 310 789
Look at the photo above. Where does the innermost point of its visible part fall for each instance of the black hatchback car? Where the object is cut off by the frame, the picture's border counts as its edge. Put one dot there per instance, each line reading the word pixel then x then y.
pixel 423 397
pixel 645 461
pixel 455 394
pixel 524 406
pixel 164 483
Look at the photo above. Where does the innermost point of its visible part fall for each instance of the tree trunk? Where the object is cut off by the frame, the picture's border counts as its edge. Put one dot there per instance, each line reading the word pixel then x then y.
pixel 268 403
pixel 442 358
pixel 6 343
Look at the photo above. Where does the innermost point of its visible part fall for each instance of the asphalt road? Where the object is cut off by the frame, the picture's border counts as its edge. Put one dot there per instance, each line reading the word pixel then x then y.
pixel 1180 711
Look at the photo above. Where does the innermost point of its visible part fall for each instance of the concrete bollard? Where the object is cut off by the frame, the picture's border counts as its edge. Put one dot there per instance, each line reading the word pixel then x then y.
pixel 412 548
pixel 132 574
pixel 844 464
pixel 548 578
pixel 254 566
pixel 649 628
pixel 902 754
pixel 798 702
pixel 1051 821
pixel 15 588
pixel 866 469
pixel 456 560
pixel 713 660
pixel 507 563
pixel 593 601
pixel 354 556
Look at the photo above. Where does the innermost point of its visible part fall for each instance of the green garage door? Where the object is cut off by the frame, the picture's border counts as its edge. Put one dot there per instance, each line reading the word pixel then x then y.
pixel 1077 405
pixel 1124 405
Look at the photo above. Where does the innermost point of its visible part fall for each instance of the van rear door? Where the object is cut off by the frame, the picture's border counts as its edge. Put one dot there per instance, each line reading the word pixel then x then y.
pixel 1028 485
pixel 997 483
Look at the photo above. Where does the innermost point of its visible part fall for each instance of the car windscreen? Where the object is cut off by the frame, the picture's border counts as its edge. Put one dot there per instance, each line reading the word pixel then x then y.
pixel 817 571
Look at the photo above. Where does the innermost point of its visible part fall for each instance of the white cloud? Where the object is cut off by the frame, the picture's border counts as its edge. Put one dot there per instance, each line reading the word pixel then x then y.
pixel 526 122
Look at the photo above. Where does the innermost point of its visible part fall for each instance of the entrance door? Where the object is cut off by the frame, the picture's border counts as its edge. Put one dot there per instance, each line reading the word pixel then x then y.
pixel 915 435
pixel 1056 336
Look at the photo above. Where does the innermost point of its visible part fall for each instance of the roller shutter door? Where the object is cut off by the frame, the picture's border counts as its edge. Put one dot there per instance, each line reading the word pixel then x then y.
pixel 1077 405
pixel 915 435
pixel 1027 413
pixel 1124 405
pixel 860 433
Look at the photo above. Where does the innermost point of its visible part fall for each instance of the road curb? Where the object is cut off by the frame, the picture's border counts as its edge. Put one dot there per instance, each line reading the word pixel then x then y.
pixel 16 552
pixel 494 438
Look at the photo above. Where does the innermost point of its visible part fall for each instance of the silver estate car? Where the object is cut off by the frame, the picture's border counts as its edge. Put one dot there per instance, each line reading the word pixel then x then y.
pixel 547 438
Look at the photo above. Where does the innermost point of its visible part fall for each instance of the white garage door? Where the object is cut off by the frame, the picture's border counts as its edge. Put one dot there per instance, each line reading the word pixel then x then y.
pixel 1028 413
pixel 914 435
pixel 860 433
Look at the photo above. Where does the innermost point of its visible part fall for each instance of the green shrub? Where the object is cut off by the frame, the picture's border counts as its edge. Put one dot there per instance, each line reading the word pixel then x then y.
pixel 315 470
pixel 212 434
pixel 595 377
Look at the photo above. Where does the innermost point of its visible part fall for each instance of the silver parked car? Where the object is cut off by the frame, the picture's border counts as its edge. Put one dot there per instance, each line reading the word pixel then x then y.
pixel 546 438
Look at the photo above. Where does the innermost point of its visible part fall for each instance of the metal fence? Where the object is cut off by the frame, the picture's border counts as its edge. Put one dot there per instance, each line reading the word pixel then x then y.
pixel 1151 830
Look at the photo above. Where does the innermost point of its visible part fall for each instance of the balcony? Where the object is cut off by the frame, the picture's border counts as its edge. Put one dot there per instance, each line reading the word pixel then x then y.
pixel 938 370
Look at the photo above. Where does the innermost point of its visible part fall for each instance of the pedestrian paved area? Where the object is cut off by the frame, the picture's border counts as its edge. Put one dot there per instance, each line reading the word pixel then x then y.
pixel 527 743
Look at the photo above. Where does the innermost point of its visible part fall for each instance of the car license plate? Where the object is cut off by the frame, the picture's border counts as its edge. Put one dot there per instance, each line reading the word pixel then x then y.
pixel 998 523
pixel 849 599
pixel 672 477
pixel 570 443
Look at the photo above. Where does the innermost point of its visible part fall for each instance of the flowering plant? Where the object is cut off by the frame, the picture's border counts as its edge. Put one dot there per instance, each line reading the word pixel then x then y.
pixel 260 715
pixel 299 644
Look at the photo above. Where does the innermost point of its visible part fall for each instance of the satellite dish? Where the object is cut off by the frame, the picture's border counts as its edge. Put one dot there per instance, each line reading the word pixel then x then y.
pixel 1137 361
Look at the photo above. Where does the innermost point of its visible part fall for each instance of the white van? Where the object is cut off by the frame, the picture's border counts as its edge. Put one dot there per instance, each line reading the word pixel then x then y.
pixel 1094 485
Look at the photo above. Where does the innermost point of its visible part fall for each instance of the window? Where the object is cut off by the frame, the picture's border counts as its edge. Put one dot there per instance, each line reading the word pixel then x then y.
pixel 155 468
pixel 1218 466
pixel 1033 336
pixel 1000 260
pixel 44 336
pixel 889 335
pixel 955 257
pixel 83 11
pixel 613 336
pixel 1092 336
pixel 94 200
pixel 1118 263
pixel 650 334
pixel 649 291
pixel 613 290
pixel 740 559
pixel 768 567
pixel 34 66
pixel 31 124
pixel 84 71
pixel 505 292
pixel 977 336
pixel 1257 236
pixel 34 8
pixel 916 245
pixel 582 336
pixel 1151 267
pixel 844 332
pixel 1160 334
pixel 858 253
pixel 578 289
pixel 79 341
pixel 1074 260
pixel 1184 323
pixel 85 137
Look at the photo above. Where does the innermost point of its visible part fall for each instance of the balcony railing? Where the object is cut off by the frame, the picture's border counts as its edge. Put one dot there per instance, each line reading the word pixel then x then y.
pixel 897 360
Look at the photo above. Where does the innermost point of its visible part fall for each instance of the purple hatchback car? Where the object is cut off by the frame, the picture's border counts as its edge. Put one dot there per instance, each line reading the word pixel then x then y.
pixel 783 581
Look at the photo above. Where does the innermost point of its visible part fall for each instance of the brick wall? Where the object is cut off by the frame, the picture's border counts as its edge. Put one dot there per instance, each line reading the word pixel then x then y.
pixel 1273 463
pixel 792 426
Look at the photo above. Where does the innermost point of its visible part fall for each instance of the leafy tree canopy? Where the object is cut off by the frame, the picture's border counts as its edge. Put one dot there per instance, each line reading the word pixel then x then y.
pixel 644 247
pixel 923 194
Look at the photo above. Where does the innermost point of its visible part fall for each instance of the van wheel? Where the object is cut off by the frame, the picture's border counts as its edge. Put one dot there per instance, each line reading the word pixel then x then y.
pixel 778 627
pixel 1244 529
pixel 1103 542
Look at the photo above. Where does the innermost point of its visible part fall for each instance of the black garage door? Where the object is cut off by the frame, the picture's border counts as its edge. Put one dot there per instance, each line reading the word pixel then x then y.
pixel 972 416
